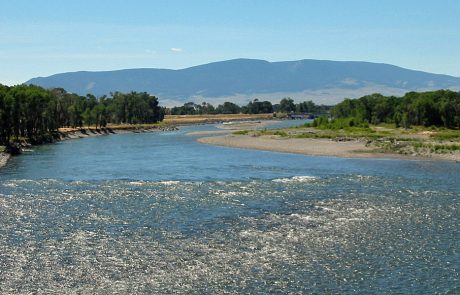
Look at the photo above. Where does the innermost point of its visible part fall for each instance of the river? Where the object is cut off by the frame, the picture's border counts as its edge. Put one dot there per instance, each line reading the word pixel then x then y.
pixel 161 213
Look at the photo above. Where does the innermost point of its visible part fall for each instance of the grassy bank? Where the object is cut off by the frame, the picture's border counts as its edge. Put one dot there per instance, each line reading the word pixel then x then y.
pixel 383 138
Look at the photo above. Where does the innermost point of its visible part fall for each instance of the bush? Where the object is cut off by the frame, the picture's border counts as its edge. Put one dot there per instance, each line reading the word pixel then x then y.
pixel 339 123
pixel 241 132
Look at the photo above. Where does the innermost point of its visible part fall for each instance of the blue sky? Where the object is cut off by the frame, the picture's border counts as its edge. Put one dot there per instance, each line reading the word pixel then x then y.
pixel 41 38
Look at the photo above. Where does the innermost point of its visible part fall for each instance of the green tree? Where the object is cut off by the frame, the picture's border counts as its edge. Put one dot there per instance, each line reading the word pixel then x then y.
pixel 287 105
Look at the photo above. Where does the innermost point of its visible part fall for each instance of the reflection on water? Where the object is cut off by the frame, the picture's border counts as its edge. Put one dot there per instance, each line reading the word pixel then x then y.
pixel 266 222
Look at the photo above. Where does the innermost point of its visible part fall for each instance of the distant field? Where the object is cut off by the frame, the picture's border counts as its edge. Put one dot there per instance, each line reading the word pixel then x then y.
pixel 196 119
pixel 178 119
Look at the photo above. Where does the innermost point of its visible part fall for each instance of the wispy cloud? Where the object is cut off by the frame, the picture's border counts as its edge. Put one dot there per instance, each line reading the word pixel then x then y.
pixel 175 49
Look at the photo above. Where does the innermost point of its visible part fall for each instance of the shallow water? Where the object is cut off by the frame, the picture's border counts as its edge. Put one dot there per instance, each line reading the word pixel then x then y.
pixel 160 213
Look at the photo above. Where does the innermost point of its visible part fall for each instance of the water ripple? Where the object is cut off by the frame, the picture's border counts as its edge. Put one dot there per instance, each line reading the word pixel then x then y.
pixel 289 235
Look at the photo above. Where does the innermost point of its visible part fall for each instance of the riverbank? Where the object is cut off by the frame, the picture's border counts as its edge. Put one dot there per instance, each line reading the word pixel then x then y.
pixel 314 147
pixel 205 119
pixel 4 157
pixel 378 142
pixel 168 124
pixel 77 133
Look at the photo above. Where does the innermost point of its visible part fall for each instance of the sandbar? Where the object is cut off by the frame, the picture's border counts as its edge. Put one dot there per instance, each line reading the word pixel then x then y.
pixel 4 159
pixel 309 146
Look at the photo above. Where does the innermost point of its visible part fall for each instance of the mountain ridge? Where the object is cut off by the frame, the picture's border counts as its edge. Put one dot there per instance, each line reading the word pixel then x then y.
pixel 241 79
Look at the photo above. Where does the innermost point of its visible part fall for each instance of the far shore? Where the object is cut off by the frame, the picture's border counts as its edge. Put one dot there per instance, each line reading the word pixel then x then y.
pixel 228 136
pixel 203 119
pixel 168 124
pixel 76 133
pixel 4 157
pixel 314 147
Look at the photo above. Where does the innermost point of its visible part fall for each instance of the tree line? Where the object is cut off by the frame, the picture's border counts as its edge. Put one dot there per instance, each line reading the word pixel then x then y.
pixel 432 108
pixel 286 105
pixel 35 113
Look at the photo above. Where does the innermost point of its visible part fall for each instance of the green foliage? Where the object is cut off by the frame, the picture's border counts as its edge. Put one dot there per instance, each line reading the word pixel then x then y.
pixel 258 107
pixel 433 108
pixel 280 133
pixel 131 108
pixel 437 148
pixel 241 132
pixel 315 135
pixel 191 108
pixel 336 124
pixel 286 105
pixel 446 135
pixel 35 113
pixel 311 108
pixel 228 108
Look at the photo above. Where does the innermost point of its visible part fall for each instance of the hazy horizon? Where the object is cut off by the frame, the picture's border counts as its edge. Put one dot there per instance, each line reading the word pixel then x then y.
pixel 239 58
pixel 49 37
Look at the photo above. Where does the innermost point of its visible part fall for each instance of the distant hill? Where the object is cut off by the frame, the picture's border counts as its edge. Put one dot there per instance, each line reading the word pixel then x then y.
pixel 240 80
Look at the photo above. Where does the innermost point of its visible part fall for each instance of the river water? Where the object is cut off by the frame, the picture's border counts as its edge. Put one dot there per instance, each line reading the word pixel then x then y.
pixel 161 213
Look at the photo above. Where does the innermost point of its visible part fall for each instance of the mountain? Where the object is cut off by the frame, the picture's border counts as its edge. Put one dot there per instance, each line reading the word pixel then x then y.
pixel 240 80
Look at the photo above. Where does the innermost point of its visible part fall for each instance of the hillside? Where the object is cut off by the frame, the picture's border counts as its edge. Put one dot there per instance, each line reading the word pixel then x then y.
pixel 242 79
